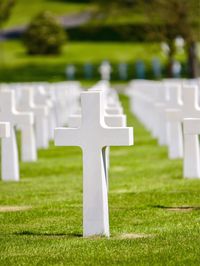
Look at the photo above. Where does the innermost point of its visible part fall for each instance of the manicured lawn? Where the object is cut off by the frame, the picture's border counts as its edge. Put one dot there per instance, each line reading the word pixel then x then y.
pixel 24 11
pixel 16 65
pixel 148 223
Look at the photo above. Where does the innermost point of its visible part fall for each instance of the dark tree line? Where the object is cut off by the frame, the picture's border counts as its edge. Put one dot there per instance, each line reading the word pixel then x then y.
pixel 5 9
pixel 177 18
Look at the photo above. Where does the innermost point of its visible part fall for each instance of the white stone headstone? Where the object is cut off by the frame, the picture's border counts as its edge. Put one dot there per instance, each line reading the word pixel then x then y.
pixel 4 133
pixel 8 113
pixel 40 112
pixel 4 130
pixel 188 108
pixel 191 165
pixel 42 128
pixel 174 127
pixel 105 70
pixel 93 136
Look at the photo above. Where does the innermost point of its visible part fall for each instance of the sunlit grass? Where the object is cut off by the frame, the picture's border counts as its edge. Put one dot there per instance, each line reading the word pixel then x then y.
pixel 147 198
pixel 16 65
pixel 24 10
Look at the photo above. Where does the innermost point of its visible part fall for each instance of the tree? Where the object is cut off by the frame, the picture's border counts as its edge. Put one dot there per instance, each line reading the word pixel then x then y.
pixel 179 18
pixel 44 35
pixel 5 9
pixel 167 20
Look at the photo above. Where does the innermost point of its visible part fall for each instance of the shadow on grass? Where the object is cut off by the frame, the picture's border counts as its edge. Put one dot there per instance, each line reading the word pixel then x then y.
pixel 177 208
pixel 30 233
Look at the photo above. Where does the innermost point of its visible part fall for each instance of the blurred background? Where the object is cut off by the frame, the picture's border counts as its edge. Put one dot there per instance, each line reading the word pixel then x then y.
pixel 53 40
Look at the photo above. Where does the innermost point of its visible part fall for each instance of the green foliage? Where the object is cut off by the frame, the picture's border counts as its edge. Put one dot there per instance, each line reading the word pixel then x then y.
pixel 5 9
pixel 148 221
pixel 44 35
pixel 18 66
pixel 22 15
pixel 180 17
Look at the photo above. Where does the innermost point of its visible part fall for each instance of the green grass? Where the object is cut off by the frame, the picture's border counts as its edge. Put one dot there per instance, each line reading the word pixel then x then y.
pixel 144 183
pixel 24 11
pixel 16 65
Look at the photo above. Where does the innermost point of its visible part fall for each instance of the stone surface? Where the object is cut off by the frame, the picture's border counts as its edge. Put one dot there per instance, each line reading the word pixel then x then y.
pixel 4 130
pixel 191 165
pixel 186 108
pixel 174 127
pixel 105 70
pixel 8 113
pixel 93 136
pixel 39 137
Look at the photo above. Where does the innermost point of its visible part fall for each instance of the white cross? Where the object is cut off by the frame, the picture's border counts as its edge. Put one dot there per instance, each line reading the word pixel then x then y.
pixel 189 108
pixel 41 100
pixel 93 136
pixel 191 163
pixel 111 121
pixel 8 113
pixel 160 106
pixel 174 128
pixel 4 130
pixel 4 133
pixel 40 112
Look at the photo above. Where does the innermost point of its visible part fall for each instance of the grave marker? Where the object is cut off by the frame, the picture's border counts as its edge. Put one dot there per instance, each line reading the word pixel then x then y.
pixel 174 127
pixel 70 72
pixel 42 127
pixel 88 70
pixel 4 130
pixel 105 70
pixel 156 67
pixel 10 163
pixel 123 71
pixel 191 165
pixel 140 69
pixel 189 108
pixel 93 136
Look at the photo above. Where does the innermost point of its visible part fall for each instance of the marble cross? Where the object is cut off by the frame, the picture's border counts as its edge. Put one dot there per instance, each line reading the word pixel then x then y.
pixel 44 106
pixel 160 118
pixel 4 133
pixel 93 136
pixel 173 118
pixel 189 108
pixel 191 162
pixel 40 112
pixel 4 130
pixel 111 121
pixel 8 113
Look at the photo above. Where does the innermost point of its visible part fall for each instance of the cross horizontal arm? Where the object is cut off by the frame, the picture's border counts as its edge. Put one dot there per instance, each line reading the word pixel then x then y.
pixel 117 136
pixel 110 120
pixel 191 126
pixel 23 118
pixel 67 137
pixel 174 115
pixel 115 120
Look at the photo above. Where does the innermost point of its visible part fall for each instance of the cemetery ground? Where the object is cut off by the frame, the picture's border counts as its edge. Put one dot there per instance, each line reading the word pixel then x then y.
pixel 21 15
pixel 154 212
pixel 17 66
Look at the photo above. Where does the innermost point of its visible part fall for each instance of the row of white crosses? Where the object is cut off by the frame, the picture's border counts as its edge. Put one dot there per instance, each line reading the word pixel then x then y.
pixel 94 130
pixel 99 124
pixel 32 108
pixel 170 110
